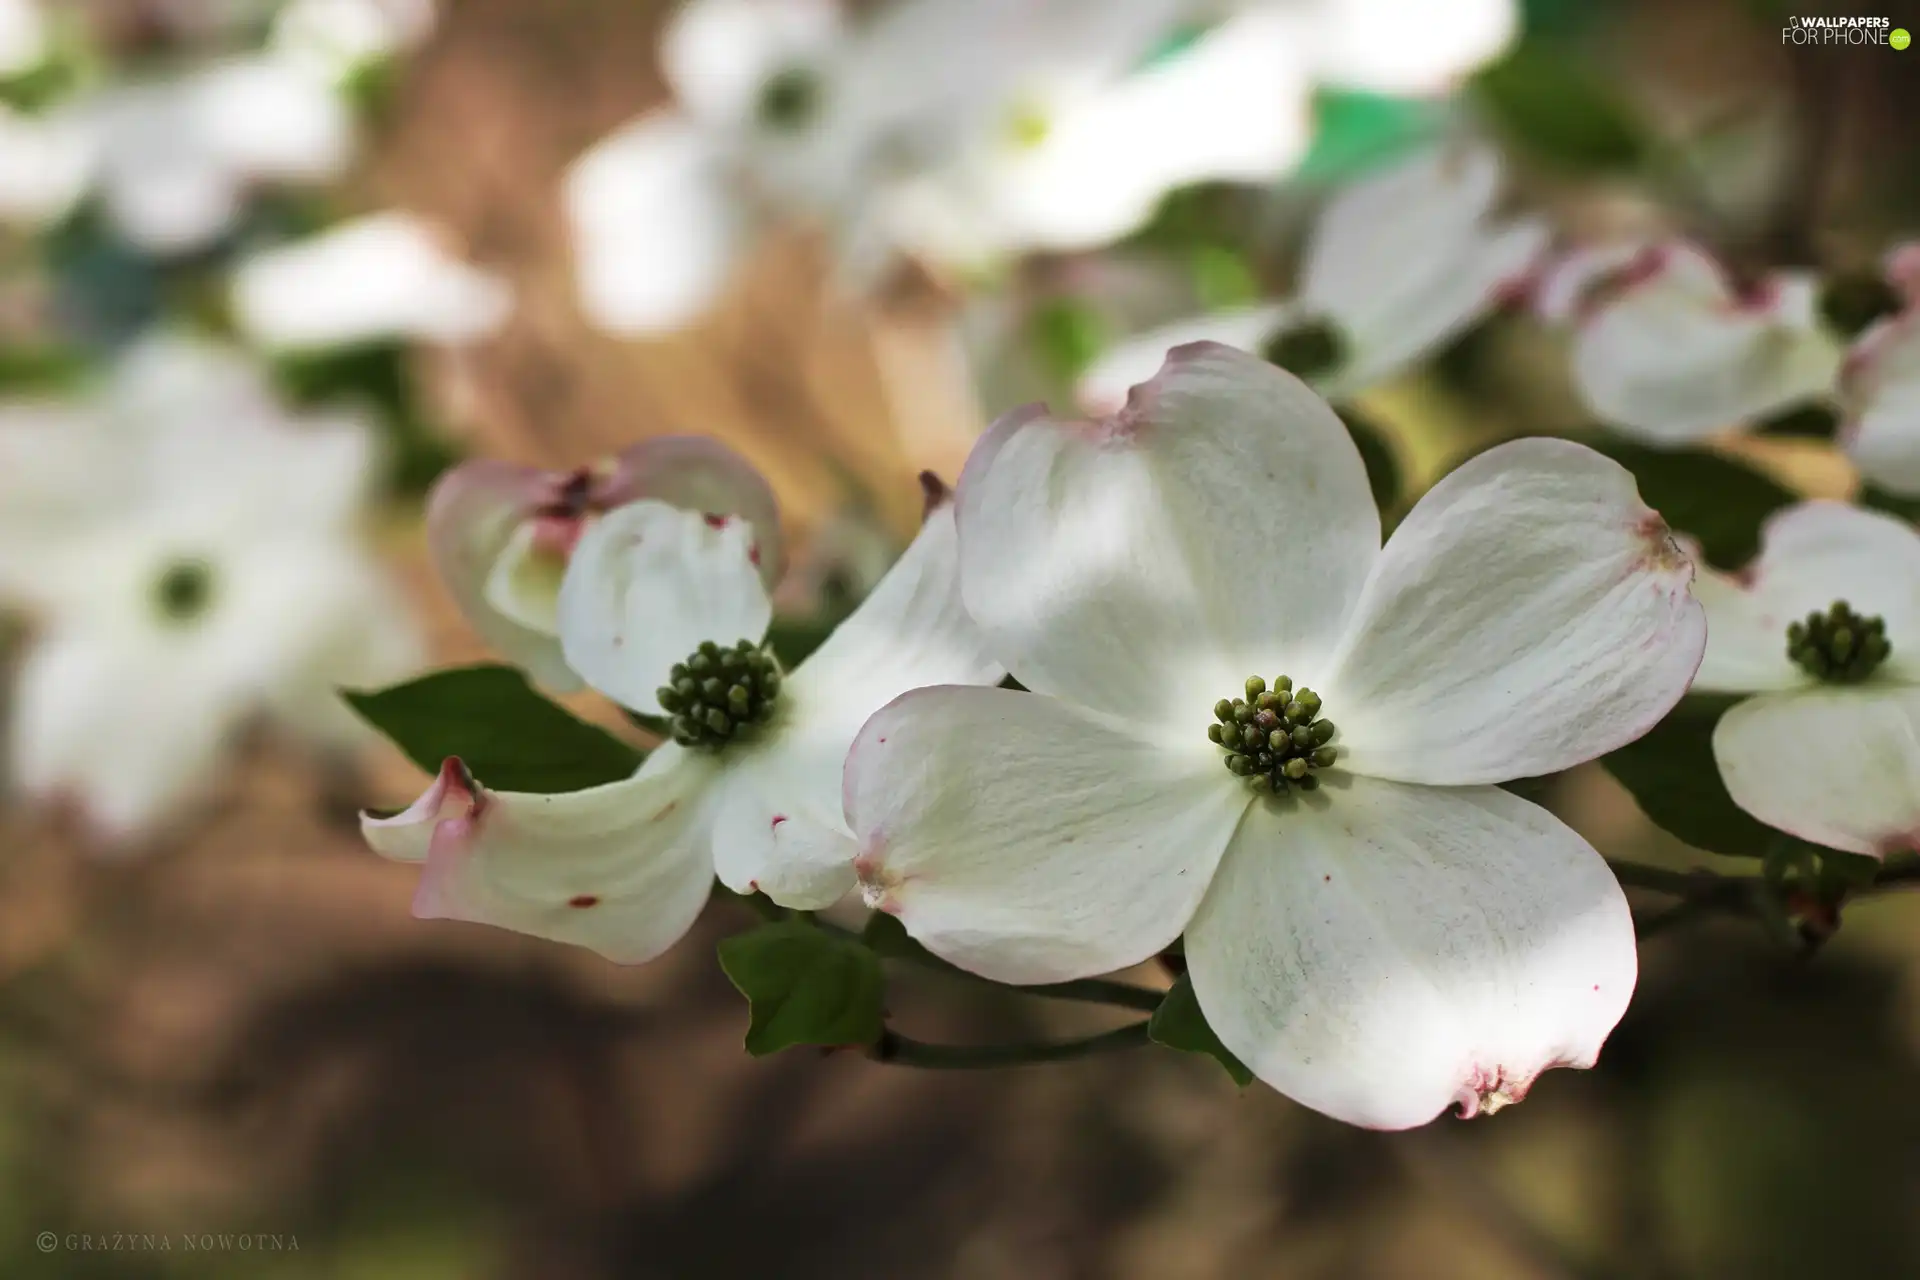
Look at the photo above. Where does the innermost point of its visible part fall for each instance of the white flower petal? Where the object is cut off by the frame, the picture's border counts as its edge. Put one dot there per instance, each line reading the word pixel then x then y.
pixel 1218 526
pixel 1674 354
pixel 24 41
pixel 621 869
pixel 1837 766
pixel 657 226
pixel 647 585
pixel 1379 952
pixel 779 829
pixel 1391 46
pixel 698 473
pixel 46 163
pixel 271 118
pixel 1529 614
pixel 380 277
pixel 1881 390
pixel 1811 555
pixel 1104 386
pixel 1028 840
pixel 524 586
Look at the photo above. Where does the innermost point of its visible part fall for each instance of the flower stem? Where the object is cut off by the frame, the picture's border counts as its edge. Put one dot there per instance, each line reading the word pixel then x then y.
pixel 902 1051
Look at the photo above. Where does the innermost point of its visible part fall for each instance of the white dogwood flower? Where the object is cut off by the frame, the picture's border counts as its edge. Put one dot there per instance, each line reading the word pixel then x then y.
pixel 1252 724
pixel 1667 349
pixel 378 278
pixel 1879 396
pixel 188 556
pixel 1824 630
pixel 663 610
pixel 1395 266
pixel 1397 47
pixel 502 535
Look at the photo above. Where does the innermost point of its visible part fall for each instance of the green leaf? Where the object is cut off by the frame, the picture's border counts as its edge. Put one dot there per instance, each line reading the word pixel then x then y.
pixel 1069 335
pixel 1673 777
pixel 1552 104
pixel 805 986
pixel 1716 500
pixel 1875 498
pixel 1355 131
pixel 511 737
pixel 1179 1024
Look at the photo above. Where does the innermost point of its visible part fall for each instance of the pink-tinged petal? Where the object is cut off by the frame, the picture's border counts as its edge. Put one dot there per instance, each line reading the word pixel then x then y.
pixel 1674 353
pixel 647 585
pixel 1577 281
pixel 1811 555
pixel 1104 387
pixel 695 473
pixel 1881 391
pixel 1530 613
pixel 1146 564
pixel 1029 840
pixel 474 514
pixel 622 869
pixel 1848 774
pixel 1381 952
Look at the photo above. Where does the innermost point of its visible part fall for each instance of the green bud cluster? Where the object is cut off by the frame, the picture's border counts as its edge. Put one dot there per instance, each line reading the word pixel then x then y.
pixel 1838 646
pixel 717 695
pixel 789 99
pixel 1307 350
pixel 1272 737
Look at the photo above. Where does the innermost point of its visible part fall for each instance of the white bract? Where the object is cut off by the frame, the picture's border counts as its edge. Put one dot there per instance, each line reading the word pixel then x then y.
pixel 503 535
pixel 1395 265
pixel 378 278
pixel 1667 349
pixel 1404 936
pixel 748 790
pixel 24 39
pixel 1828 748
pixel 46 165
pixel 188 556
pixel 1879 397
pixel 1388 46
pixel 340 38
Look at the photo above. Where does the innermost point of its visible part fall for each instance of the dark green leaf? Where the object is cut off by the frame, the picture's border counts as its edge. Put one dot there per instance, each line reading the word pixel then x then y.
pixel 1673 777
pixel 1552 104
pixel 1808 422
pixel 511 737
pixel 805 986
pixel 1179 1024
pixel 1878 499
pixel 1716 500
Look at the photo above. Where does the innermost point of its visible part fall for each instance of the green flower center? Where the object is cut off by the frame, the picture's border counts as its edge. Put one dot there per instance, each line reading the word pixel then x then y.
pixel 718 696
pixel 1273 737
pixel 1838 646
pixel 789 99
pixel 1028 125
pixel 1311 349
pixel 184 590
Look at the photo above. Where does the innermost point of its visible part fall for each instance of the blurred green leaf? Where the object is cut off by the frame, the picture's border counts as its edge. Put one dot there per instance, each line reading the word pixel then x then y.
pixel 1808 422
pixel 509 736
pixel 805 986
pixel 1222 278
pixel 1179 1024
pixel 1553 105
pixel 1875 498
pixel 1354 132
pixel 1716 500
pixel 1673 777
pixel 1069 334
pixel 29 369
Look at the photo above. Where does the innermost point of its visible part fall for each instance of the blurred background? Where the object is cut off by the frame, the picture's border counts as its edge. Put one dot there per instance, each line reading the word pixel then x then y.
pixel 216 1013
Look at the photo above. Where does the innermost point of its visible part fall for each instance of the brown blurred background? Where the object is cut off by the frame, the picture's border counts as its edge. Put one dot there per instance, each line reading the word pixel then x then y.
pixel 246 1032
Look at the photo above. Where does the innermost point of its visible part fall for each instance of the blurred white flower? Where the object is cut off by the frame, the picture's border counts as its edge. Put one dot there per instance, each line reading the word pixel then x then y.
pixel 189 557
pixel 46 165
pixel 339 38
pixel 502 535
pixel 1667 349
pixel 380 277
pixel 24 41
pixel 663 609
pixel 1395 266
pixel 1824 630
pixel 1879 389
pixel 1371 925
pixel 1389 46
pixel 177 158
